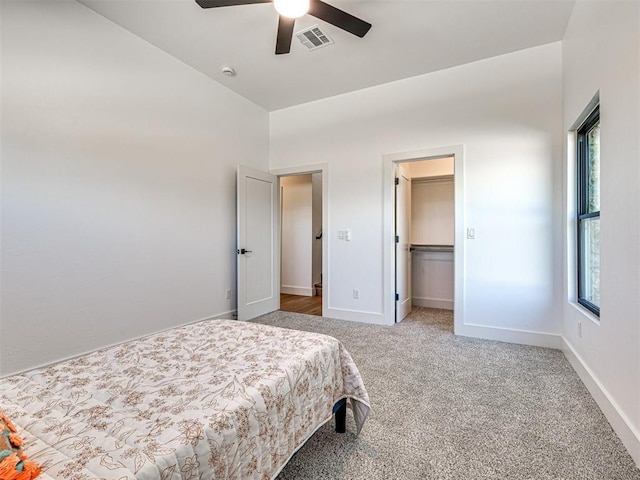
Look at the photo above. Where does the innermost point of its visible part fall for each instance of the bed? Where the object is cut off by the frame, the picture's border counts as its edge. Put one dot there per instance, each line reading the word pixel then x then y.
pixel 219 399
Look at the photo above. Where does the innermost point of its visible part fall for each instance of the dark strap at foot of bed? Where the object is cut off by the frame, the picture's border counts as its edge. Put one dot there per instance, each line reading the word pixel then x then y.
pixel 340 410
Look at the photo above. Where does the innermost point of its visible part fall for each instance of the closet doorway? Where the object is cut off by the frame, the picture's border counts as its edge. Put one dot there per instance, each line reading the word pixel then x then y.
pixel 301 280
pixel 424 225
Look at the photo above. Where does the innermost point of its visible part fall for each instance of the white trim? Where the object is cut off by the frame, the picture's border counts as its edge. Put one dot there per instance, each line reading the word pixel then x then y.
pixel 372 318
pixel 299 170
pixel 324 169
pixel 442 303
pixel 457 151
pixel 571 222
pixel 584 312
pixel 620 423
pixel 230 315
pixel 304 291
pixel 522 337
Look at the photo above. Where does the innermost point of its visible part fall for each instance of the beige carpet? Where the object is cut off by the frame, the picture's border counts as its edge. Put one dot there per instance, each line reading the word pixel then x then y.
pixel 447 407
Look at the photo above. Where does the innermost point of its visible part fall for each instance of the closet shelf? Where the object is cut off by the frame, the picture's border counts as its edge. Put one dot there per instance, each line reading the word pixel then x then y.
pixel 431 248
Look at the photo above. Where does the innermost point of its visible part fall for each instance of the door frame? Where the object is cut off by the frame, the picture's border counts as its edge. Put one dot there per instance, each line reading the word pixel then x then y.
pixel 389 267
pixel 322 168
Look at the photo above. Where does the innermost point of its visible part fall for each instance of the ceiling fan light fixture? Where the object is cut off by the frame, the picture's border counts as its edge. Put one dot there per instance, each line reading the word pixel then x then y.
pixel 291 8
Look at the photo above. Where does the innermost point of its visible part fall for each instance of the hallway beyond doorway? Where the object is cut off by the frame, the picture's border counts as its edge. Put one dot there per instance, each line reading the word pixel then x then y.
pixel 301 304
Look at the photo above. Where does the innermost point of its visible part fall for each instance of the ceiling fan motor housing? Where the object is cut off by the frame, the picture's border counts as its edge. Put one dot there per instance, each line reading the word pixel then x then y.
pixel 316 8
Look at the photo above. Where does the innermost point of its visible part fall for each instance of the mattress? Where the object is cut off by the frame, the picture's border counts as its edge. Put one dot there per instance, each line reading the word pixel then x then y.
pixel 219 399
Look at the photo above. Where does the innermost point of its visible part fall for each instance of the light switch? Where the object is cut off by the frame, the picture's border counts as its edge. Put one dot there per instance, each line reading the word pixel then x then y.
pixel 471 233
pixel 340 234
pixel 347 235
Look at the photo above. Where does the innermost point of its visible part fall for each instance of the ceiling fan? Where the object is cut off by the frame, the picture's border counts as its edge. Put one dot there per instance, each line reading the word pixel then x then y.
pixel 289 10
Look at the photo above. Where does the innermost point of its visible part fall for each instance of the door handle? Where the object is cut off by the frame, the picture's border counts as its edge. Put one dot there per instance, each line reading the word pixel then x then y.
pixel 242 251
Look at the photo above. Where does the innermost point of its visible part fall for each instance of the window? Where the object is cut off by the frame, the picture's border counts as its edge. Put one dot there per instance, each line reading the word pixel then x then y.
pixel 588 248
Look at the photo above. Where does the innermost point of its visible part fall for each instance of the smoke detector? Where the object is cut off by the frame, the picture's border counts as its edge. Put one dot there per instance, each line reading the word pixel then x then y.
pixel 228 71
pixel 313 38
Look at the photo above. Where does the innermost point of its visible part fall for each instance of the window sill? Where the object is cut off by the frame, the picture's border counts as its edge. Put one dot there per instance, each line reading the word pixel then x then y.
pixel 585 312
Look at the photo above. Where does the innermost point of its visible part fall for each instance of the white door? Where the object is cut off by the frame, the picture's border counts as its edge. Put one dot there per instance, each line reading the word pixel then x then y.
pixel 403 243
pixel 258 253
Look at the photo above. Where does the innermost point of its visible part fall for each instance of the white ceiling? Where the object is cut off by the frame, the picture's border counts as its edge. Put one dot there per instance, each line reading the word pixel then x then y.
pixel 408 37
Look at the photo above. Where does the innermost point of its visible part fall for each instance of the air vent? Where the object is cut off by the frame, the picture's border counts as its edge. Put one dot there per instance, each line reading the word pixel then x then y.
pixel 313 38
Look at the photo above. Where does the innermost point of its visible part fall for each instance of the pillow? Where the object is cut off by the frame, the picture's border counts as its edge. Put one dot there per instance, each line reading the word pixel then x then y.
pixel 13 462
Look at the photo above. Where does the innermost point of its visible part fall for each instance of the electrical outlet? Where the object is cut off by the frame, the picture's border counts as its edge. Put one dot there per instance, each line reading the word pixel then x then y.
pixel 227 294
pixel 356 294
pixel 579 329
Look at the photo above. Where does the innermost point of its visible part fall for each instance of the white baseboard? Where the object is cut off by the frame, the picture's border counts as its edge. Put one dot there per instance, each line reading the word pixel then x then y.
pixel 523 337
pixel 432 303
pixel 304 291
pixel 620 423
pixel 355 316
pixel 230 315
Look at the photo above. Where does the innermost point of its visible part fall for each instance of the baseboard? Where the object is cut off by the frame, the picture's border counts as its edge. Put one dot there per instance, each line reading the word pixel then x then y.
pixel 432 303
pixel 304 291
pixel 230 315
pixel 523 337
pixel 355 316
pixel 620 423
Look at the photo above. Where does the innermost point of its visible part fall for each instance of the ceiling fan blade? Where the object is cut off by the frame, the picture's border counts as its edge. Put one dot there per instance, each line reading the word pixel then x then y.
pixel 285 34
pixel 340 19
pixel 227 3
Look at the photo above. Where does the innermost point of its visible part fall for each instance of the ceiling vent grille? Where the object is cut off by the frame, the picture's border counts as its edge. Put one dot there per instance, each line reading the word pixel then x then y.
pixel 313 38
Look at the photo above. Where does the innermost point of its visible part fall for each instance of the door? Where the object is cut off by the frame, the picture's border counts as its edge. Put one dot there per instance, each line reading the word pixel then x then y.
pixel 403 242
pixel 258 256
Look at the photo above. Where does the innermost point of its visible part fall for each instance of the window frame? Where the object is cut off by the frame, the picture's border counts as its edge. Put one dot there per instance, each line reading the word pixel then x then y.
pixel 582 176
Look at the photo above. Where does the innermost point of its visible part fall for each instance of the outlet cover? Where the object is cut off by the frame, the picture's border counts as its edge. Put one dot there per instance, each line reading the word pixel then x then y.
pixel 579 329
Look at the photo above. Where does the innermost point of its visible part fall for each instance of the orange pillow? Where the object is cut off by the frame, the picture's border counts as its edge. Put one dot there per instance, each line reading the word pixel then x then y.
pixel 13 462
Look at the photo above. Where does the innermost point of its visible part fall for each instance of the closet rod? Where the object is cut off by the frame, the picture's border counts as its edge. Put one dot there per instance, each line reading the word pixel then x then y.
pixel 431 248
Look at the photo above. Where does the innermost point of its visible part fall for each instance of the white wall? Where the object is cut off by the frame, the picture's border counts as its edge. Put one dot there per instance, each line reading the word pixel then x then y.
pixel 118 185
pixel 297 235
pixel 506 111
pixel 601 52
pixel 432 279
pixel 432 212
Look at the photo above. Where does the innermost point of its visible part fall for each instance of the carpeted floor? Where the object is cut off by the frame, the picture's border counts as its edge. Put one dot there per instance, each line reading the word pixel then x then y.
pixel 447 407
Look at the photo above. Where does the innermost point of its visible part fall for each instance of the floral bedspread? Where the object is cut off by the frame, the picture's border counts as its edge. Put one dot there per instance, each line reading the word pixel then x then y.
pixel 219 399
